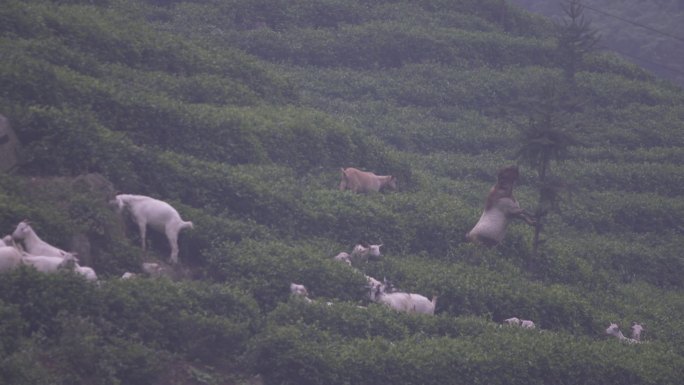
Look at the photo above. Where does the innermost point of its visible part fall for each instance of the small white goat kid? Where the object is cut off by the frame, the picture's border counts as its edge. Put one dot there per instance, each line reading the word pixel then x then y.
pixel 159 215
pixel 36 246
pixel 614 330
pixel 86 271
pixel 298 290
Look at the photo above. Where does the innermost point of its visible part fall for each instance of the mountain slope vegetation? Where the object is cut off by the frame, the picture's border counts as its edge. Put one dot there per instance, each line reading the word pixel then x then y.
pixel 240 113
pixel 648 33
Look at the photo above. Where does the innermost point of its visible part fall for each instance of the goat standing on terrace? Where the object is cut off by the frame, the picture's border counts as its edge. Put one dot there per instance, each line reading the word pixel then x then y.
pixel 500 208
pixel 34 245
pixel 364 182
pixel 157 214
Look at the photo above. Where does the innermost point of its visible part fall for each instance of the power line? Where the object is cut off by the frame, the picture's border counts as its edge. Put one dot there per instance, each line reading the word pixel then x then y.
pixel 633 23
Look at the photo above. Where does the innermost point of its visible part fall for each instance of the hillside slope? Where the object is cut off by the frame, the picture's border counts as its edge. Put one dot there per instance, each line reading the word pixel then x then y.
pixel 241 113
pixel 648 33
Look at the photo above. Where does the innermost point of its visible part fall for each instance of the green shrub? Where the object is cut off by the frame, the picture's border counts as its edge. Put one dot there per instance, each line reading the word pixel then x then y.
pixel 11 328
pixel 507 356
pixel 40 298
pixel 178 317
pixel 266 269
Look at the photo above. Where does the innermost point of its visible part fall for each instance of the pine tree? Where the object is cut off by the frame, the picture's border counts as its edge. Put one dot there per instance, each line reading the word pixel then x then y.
pixel 576 38
pixel 546 138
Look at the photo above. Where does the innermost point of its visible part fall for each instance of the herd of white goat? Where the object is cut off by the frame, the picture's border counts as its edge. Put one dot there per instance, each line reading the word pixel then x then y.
pixel 24 246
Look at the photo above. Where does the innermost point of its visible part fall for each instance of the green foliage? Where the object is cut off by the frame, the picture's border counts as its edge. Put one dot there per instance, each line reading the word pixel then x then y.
pixel 241 113
pixel 298 353
pixel 120 331
pixel 266 270
pixel 576 37
pixel 209 322
pixel 391 45
pixel 40 298
pixel 645 32
pixel 11 328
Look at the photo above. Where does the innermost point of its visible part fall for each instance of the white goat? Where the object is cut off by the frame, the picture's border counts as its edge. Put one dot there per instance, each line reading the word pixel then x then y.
pixel 52 264
pixel 406 302
pixel 360 253
pixel 48 264
pixel 373 283
pixel 636 331
pixel 128 275
pixel 513 321
pixel 153 269
pixel 298 290
pixel 614 330
pixel 374 251
pixel 10 258
pixel 343 257
pixel 86 271
pixel 527 324
pixel 36 246
pixel 159 215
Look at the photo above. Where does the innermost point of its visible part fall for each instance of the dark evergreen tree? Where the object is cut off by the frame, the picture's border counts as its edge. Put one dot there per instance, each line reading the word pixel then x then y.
pixel 575 38
pixel 545 138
